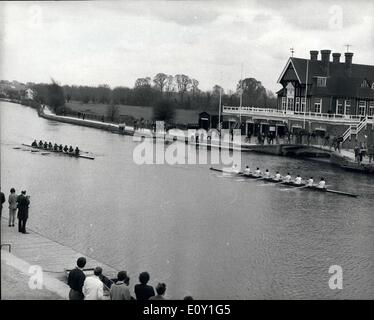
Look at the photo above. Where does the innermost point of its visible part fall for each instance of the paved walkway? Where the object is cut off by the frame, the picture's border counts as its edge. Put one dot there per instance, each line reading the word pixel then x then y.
pixel 29 253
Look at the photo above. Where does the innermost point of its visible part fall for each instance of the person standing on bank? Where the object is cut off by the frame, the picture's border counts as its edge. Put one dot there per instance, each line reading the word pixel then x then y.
pixel 76 280
pixel 12 200
pixel 23 211
pixel 120 289
pixel 93 287
pixel 2 200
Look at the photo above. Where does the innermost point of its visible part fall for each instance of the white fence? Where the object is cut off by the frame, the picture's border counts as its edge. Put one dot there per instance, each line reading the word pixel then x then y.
pixel 297 115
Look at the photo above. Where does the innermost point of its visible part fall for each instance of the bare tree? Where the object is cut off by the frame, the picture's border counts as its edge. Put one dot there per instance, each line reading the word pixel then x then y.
pixel 143 82
pixel 160 80
pixel 195 86
pixel 170 84
pixel 183 83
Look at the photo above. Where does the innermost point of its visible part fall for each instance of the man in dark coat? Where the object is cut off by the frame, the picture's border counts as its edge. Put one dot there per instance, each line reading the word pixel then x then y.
pixel 76 280
pixel 23 203
pixel 2 200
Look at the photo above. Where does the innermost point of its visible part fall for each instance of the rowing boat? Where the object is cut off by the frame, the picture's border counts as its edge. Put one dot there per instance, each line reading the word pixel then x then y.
pixel 59 152
pixel 303 186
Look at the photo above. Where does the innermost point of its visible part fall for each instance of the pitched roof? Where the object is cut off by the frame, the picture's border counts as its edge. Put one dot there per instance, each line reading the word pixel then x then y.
pixel 339 83
pixel 316 68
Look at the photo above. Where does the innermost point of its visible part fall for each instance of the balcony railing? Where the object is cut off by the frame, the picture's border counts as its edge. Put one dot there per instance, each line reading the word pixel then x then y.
pixel 298 115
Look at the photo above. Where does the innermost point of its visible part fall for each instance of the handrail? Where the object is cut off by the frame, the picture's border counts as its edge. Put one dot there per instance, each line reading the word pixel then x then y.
pixel 296 114
pixel 7 245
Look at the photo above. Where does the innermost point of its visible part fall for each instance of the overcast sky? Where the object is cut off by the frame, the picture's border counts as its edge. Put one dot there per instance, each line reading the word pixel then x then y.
pixel 112 42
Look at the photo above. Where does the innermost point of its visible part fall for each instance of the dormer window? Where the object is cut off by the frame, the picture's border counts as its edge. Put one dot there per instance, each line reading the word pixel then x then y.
pixel 364 84
pixel 321 82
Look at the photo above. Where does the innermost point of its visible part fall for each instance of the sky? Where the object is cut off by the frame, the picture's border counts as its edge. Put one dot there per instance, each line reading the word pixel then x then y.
pixel 215 42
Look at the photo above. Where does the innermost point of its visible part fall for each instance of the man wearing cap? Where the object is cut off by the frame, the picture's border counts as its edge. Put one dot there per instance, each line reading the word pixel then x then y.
pixel 23 203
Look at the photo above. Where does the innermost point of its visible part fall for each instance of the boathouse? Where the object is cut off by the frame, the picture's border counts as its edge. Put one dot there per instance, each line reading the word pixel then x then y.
pixel 323 96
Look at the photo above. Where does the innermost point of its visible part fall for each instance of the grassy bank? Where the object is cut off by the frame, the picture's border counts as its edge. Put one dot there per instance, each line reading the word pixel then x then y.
pixel 181 116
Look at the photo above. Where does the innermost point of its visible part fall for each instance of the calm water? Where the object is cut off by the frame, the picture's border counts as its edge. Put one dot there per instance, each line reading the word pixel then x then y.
pixel 203 234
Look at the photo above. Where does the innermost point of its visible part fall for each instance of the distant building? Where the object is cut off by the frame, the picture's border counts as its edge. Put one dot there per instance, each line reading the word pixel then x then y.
pixel 320 96
pixel 333 87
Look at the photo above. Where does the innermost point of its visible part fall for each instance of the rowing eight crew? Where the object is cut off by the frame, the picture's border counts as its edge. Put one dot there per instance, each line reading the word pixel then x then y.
pixel 287 178
pixel 55 147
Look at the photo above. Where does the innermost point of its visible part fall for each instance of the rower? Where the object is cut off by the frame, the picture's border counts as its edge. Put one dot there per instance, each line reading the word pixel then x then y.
pixel 60 148
pixel 45 145
pixel 55 147
pixel 66 148
pixel 77 151
pixel 277 176
pixel 234 168
pixel 322 184
pixel 247 170
pixel 71 150
pixel 287 178
pixel 50 145
pixel 267 174
pixel 298 179
pixel 40 144
pixel 258 172
pixel 310 182
pixel 34 144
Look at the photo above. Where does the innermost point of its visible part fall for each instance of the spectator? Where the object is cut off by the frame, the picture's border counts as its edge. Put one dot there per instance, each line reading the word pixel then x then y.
pixel 371 152
pixel 12 200
pixel 93 288
pixel 2 200
pixel 160 289
pixel 142 290
pixel 120 289
pixel 76 280
pixel 23 211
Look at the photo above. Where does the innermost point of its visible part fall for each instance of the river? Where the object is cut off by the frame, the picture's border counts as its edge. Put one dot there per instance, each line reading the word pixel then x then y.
pixel 202 233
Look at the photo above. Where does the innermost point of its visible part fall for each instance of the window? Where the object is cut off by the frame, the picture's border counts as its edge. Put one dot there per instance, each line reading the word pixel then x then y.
pixel 290 104
pixel 371 108
pixel 362 108
pixel 339 107
pixel 347 107
pixel 303 109
pixel 317 105
pixel 283 103
pixel 297 104
pixel 321 81
pixel 364 84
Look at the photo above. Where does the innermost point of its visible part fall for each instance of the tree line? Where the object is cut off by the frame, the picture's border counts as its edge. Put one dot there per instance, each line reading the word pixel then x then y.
pixel 180 91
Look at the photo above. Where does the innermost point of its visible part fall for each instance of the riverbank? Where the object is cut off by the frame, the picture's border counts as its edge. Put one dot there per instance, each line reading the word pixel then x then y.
pixel 29 252
pixel 343 159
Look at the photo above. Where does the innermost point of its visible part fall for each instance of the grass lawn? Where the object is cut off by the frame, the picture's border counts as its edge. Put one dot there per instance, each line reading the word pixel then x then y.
pixel 181 115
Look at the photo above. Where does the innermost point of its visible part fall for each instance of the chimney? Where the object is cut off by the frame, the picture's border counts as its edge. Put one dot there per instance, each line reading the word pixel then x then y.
pixel 325 58
pixel 348 58
pixel 313 55
pixel 336 57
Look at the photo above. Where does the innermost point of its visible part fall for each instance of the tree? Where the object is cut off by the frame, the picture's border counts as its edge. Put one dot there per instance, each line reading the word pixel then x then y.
pixel 113 113
pixel 169 85
pixel 55 97
pixel 254 92
pixel 164 110
pixel 183 83
pixel 195 86
pixel 142 82
pixel 160 80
